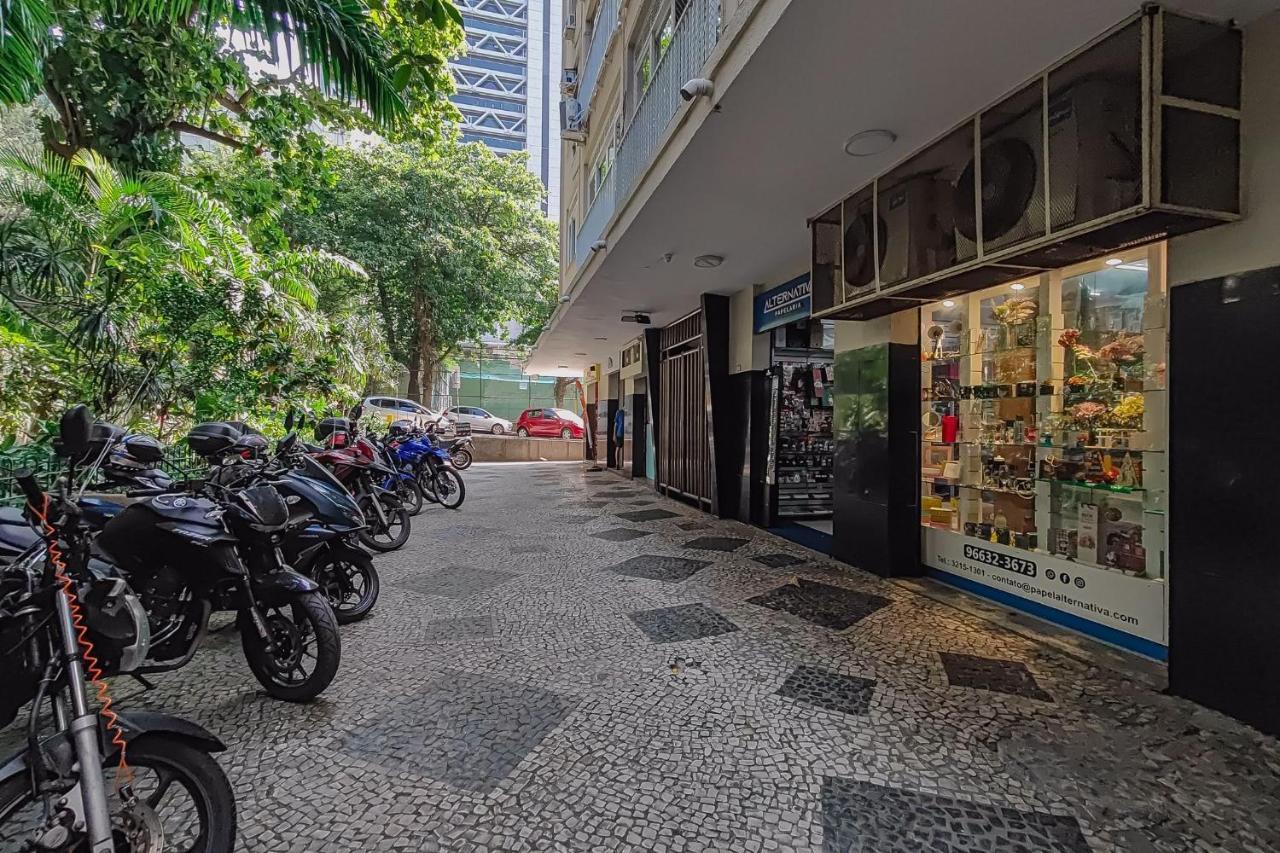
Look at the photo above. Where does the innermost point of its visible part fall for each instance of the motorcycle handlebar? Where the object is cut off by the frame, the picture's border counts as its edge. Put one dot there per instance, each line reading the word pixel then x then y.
pixel 30 488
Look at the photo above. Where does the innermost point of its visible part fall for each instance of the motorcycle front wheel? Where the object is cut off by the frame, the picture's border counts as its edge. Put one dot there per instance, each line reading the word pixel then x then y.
pixel 305 649
pixel 183 801
pixel 461 458
pixel 349 581
pixel 448 489
pixel 386 536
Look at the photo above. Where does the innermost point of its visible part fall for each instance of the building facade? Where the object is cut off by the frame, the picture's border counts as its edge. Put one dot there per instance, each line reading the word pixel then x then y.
pixel 977 293
pixel 508 83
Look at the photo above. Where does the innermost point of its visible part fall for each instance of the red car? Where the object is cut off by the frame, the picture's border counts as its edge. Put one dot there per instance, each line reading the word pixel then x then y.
pixel 555 423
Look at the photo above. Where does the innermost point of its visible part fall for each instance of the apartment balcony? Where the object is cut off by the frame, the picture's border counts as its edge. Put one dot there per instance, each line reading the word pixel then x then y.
pixel 691 45
pixel 606 24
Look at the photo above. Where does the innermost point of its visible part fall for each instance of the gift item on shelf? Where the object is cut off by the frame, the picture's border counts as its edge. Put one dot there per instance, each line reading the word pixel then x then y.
pixel 804 449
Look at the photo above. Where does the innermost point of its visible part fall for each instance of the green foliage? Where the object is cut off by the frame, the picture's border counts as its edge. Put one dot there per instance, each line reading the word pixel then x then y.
pixel 144 298
pixel 127 77
pixel 453 238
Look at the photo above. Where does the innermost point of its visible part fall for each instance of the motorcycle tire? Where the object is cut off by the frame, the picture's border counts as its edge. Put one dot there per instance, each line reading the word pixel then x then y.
pixel 179 784
pixel 461 458
pixel 449 489
pixel 411 496
pixel 426 482
pixel 349 581
pixel 309 623
pixel 397 531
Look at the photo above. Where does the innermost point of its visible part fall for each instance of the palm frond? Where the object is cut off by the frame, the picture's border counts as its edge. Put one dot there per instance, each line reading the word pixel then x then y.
pixel 24 39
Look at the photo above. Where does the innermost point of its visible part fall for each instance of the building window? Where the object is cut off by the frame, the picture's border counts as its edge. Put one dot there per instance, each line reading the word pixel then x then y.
pixel 653 44
pixel 602 166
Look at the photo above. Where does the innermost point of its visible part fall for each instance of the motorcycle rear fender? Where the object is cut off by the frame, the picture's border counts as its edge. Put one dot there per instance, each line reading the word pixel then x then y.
pixel 281 586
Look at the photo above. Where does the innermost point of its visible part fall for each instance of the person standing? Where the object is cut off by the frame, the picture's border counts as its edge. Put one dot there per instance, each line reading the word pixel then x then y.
pixel 619 430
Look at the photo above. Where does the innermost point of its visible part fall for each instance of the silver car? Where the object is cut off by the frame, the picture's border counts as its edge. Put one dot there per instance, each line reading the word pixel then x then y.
pixel 389 409
pixel 480 419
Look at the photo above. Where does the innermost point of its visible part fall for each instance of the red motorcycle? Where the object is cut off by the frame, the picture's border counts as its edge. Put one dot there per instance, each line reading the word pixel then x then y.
pixel 355 462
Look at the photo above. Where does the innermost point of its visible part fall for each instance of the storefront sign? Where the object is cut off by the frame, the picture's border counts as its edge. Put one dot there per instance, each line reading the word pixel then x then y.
pixel 783 304
pixel 1134 607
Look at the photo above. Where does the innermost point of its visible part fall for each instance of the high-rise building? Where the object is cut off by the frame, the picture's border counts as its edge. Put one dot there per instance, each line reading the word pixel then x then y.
pixel 508 83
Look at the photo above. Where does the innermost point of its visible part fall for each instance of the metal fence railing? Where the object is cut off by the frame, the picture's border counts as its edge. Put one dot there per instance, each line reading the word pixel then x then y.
pixel 695 36
pixel 179 462
pixel 606 23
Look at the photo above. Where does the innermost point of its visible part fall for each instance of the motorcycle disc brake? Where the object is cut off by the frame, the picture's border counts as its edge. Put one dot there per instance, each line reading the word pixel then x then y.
pixel 141 828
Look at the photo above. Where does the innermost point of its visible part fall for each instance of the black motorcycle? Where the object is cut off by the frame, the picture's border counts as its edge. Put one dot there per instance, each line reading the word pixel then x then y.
pixel 321 539
pixel 61 627
pixel 189 555
pixel 460 452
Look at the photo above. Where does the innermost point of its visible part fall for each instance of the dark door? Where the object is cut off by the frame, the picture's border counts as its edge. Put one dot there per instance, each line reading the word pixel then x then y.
pixel 1224 572
pixel 639 412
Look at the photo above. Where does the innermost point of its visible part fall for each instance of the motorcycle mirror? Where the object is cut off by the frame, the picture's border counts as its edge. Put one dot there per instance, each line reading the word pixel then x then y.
pixel 356 411
pixel 73 432
pixel 288 421
pixel 286 444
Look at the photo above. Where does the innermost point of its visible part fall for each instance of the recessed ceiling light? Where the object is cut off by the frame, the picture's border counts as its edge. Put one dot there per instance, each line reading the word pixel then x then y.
pixel 707 262
pixel 562 367
pixel 947 303
pixel 1114 262
pixel 602 339
pixel 579 353
pixel 869 142
pixel 1017 285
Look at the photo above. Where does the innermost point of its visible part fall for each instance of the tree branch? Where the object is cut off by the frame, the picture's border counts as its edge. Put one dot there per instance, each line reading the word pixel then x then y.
pixel 213 136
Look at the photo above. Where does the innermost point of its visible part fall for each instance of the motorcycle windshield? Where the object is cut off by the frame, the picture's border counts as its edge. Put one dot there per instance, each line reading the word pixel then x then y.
pixel 313 470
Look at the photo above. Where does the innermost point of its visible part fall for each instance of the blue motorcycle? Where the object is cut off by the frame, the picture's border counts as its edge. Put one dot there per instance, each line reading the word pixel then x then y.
pixel 418 455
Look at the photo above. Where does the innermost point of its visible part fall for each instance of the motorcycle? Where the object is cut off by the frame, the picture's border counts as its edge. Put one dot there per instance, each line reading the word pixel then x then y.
pixel 61 628
pixel 460 452
pixel 353 460
pixel 188 555
pixel 324 522
pixel 418 453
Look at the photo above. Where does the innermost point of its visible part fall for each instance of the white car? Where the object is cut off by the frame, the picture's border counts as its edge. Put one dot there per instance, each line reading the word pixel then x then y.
pixel 480 420
pixel 389 409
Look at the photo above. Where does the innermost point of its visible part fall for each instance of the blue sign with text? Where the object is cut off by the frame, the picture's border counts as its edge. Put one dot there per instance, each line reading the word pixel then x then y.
pixel 783 304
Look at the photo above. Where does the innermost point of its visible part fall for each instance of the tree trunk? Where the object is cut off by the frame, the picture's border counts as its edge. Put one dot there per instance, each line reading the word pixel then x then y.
pixel 414 392
pixel 561 387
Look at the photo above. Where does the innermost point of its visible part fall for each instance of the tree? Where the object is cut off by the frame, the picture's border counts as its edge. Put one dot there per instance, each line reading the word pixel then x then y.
pixel 128 77
pixel 452 236
pixel 561 388
pixel 143 298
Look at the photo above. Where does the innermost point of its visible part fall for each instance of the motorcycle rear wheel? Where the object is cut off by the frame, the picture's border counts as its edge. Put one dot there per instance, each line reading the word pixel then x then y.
pixel 410 495
pixel 461 458
pixel 303 630
pixel 349 582
pixel 386 537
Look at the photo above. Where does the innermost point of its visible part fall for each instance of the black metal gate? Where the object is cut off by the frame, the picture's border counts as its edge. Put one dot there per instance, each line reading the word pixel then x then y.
pixel 684 454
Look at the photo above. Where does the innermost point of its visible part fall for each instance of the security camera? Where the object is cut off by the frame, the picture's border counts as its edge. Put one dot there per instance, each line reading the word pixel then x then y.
pixel 696 87
pixel 599 246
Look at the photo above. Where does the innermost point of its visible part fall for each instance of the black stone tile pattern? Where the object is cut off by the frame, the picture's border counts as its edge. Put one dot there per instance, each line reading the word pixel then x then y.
pixel 859 817
pixel 656 567
pixel 846 694
pixel 693 525
pixel 831 607
pixel 464 730
pixel 1002 676
pixel 457 581
pixel 647 515
pixel 621 534
pixel 458 628
pixel 715 543
pixel 682 622
pixel 777 561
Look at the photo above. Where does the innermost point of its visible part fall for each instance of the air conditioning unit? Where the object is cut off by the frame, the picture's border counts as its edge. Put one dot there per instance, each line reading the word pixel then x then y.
pixel 572 116
pixel 1131 140
pixel 570 25
pixel 569 81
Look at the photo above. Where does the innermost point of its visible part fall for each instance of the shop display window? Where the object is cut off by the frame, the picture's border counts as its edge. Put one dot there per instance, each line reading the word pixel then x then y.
pixel 803 449
pixel 1043 415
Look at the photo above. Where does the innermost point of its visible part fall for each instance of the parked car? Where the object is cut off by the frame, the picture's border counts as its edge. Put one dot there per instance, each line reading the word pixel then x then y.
pixel 480 420
pixel 395 409
pixel 560 423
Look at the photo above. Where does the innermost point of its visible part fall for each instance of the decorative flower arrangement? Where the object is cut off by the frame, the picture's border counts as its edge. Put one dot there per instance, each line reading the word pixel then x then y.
pixel 1014 310
pixel 1069 338
pixel 1087 414
pixel 1078 380
pixel 1126 350
pixel 1128 412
